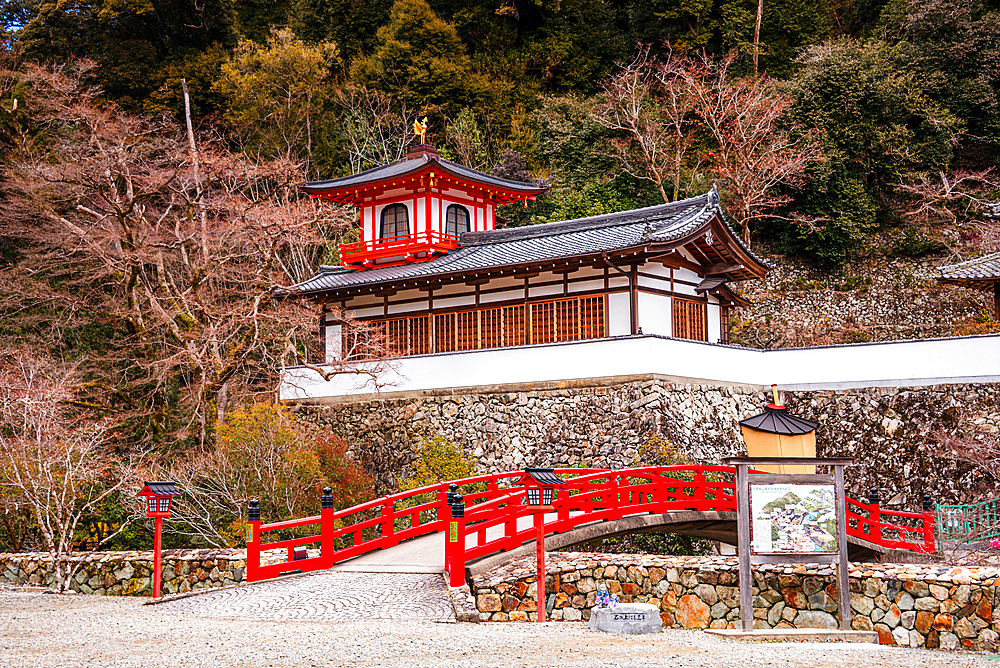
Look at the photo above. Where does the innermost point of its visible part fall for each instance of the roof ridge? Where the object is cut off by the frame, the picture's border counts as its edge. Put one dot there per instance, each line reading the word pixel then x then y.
pixel 967 263
pixel 611 219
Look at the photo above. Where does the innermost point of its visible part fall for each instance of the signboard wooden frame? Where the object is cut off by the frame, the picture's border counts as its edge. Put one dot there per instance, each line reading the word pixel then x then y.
pixel 743 519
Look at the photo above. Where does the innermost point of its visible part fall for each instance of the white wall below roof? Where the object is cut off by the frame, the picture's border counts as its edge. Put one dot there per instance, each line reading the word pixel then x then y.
pixel 901 363
pixel 654 314
pixel 714 320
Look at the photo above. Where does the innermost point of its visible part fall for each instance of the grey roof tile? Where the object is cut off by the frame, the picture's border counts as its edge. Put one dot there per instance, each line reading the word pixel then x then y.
pixel 410 165
pixel 986 268
pixel 540 243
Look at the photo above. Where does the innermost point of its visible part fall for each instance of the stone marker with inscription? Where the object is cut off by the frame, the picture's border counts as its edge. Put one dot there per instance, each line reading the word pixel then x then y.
pixel 627 618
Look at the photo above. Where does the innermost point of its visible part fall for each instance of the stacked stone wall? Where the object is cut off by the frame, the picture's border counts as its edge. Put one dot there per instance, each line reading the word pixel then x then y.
pixel 908 605
pixel 129 573
pixel 889 431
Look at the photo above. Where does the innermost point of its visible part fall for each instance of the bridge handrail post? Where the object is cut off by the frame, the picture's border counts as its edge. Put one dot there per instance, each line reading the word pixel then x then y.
pixel 700 493
pixel 327 529
pixel 455 543
pixel 614 484
pixel 928 512
pixel 253 541
pixel 388 523
pixel 874 516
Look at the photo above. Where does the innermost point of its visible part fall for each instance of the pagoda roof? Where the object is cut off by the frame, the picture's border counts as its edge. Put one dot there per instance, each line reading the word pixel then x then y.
pixel 652 232
pixel 777 420
pixel 420 160
pixel 982 272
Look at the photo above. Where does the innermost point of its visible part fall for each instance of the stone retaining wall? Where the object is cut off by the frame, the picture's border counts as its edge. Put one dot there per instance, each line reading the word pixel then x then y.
pixel 889 431
pixel 908 605
pixel 129 573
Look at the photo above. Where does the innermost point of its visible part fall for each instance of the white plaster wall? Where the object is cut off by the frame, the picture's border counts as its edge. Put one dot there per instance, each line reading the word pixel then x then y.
pixel 587 286
pixel 545 290
pixel 654 314
pixel 334 342
pixel 506 295
pixel 934 361
pixel 714 321
pixel 453 302
pixel 619 315
pixel 690 277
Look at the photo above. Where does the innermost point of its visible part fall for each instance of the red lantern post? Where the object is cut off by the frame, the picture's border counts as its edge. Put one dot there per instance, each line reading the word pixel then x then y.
pixel 539 487
pixel 158 499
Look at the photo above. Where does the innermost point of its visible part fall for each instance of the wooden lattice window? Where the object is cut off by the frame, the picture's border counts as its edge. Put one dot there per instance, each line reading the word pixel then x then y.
pixel 444 332
pixel 420 335
pixel 456 220
pixel 570 319
pixel 723 324
pixel 395 222
pixel 591 317
pixel 543 322
pixel 467 330
pixel 689 319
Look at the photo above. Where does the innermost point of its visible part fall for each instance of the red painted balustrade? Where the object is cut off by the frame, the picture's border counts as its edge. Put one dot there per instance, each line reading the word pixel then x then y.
pixel 495 502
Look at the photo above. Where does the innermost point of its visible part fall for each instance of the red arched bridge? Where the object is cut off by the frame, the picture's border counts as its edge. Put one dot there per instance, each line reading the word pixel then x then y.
pixel 694 500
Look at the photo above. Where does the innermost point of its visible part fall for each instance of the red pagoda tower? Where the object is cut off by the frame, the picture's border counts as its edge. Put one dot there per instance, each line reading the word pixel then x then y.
pixel 417 208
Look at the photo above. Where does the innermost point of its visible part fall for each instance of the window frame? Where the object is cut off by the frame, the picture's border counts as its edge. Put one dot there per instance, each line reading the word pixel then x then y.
pixel 447 222
pixel 383 219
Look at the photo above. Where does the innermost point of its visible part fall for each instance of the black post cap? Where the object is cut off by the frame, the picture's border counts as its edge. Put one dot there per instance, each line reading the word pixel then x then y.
pixel 253 513
pixel 327 498
pixel 928 506
pixel 873 496
pixel 458 507
pixel 452 493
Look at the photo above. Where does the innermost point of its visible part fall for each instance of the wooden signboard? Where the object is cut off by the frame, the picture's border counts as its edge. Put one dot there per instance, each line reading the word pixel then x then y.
pixel 791 518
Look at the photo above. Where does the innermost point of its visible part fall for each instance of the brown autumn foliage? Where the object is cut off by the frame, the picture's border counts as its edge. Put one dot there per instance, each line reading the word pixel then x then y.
pixel 155 250
pixel 54 462
pixel 663 109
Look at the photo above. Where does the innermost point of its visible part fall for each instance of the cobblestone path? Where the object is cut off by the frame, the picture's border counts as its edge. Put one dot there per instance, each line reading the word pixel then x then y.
pixel 328 596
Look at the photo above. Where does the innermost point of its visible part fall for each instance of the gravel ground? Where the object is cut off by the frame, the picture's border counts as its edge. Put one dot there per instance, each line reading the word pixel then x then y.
pixel 38 629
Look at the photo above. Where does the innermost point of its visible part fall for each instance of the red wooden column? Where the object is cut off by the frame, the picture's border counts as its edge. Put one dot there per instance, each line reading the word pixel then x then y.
pixel 157 556
pixel 539 518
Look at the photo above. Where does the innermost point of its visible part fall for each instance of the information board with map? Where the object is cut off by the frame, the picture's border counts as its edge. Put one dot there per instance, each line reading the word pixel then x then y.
pixel 792 519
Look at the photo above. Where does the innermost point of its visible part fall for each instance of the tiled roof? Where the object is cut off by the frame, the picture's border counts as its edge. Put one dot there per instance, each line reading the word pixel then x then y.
pixel 410 165
pixel 981 272
pixel 478 251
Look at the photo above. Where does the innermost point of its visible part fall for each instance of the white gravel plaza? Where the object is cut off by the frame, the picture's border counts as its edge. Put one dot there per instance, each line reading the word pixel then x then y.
pixel 66 631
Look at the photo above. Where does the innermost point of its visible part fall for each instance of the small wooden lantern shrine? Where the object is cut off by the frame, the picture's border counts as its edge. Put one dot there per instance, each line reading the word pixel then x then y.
pixel 778 433
pixel 159 496
pixel 540 489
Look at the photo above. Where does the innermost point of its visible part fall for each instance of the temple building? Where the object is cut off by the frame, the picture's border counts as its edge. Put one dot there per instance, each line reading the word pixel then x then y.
pixel 982 273
pixel 433 275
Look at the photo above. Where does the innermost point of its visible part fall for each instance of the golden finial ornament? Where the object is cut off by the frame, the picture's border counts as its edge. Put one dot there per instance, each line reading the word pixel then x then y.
pixel 420 127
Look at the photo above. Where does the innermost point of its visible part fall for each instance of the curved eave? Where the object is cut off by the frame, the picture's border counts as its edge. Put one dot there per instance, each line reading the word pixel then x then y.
pixel 349 193
pixel 744 265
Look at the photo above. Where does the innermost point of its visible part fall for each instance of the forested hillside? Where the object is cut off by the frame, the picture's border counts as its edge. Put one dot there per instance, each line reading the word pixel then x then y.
pixel 151 151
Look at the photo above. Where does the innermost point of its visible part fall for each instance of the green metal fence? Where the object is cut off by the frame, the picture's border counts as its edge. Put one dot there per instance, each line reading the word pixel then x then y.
pixel 968 522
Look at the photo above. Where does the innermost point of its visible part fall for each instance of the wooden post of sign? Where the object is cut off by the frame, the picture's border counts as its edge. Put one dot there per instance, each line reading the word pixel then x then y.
pixel 744 519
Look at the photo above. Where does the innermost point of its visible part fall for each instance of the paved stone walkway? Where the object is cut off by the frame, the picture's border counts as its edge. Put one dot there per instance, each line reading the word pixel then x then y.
pixel 328 596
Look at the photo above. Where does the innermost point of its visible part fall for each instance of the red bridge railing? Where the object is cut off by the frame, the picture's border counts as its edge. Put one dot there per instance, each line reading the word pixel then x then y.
pixel 495 502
